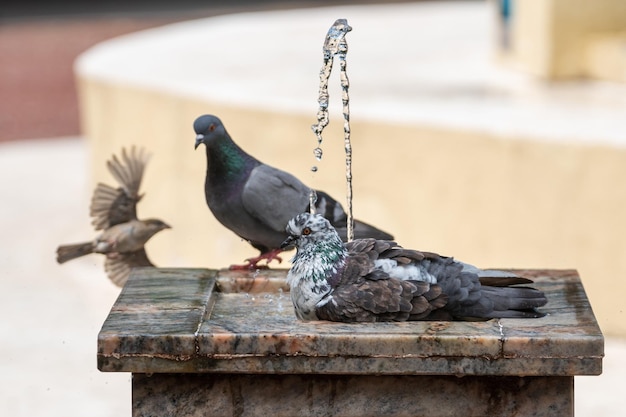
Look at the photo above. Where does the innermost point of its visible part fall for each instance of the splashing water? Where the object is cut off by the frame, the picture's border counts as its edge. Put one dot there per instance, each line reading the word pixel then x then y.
pixel 335 45
pixel 312 195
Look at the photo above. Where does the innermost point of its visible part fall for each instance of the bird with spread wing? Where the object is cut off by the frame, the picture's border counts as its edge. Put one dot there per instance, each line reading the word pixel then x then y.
pixel 114 211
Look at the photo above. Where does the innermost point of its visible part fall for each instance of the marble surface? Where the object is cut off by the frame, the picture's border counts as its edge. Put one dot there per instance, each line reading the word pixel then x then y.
pixel 350 395
pixel 205 321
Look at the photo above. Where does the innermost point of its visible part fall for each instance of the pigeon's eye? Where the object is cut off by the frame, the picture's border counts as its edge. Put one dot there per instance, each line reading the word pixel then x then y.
pixel 211 128
pixel 306 231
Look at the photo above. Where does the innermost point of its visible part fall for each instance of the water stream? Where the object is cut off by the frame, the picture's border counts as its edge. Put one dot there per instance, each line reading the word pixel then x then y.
pixel 335 45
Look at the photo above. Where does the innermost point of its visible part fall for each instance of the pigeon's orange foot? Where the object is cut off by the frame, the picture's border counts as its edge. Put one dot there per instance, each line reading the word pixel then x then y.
pixel 252 263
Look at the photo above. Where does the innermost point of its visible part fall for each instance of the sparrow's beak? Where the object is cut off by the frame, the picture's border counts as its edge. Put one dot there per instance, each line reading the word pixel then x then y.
pixel 166 226
pixel 199 140
pixel 288 243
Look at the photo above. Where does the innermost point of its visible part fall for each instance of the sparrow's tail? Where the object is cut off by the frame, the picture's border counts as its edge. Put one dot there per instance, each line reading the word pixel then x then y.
pixel 68 252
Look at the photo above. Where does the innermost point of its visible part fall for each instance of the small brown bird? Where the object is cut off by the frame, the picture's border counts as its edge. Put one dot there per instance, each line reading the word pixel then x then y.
pixel 114 211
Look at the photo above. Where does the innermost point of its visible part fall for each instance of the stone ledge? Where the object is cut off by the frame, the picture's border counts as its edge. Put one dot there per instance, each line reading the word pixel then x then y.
pixel 176 321
pixel 349 395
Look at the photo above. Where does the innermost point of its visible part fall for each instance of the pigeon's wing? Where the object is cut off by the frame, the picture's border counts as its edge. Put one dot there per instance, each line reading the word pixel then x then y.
pixel 118 266
pixel 387 249
pixel 274 196
pixel 360 296
pixel 462 290
pixel 111 206
pixel 476 295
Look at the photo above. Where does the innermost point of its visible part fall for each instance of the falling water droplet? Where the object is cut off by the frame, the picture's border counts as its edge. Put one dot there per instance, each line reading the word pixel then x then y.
pixel 318 152
pixel 279 304
pixel 312 201
pixel 313 168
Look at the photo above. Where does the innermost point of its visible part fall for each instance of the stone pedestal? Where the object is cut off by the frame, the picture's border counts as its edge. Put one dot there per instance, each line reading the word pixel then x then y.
pixel 220 343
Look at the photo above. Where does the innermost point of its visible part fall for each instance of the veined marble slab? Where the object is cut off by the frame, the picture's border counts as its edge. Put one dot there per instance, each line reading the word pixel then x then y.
pixel 210 321
pixel 219 395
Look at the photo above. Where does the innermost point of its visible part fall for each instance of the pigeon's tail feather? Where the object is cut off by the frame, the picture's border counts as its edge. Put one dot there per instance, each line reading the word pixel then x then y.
pixel 334 212
pixel 363 230
pixel 502 280
pixel 329 208
pixel 515 302
pixel 495 277
pixel 68 252
pixel 519 314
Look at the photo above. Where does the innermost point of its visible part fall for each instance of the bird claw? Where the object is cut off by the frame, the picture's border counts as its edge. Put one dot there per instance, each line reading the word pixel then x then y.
pixel 249 266
pixel 253 263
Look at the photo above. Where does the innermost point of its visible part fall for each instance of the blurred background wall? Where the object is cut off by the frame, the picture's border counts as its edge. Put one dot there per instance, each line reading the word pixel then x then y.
pixel 39 41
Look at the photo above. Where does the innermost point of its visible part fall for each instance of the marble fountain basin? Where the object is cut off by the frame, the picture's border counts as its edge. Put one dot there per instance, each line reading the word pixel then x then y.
pixel 220 321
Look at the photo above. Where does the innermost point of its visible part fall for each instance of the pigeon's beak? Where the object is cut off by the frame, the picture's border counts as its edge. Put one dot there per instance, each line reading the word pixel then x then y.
pixel 288 243
pixel 199 140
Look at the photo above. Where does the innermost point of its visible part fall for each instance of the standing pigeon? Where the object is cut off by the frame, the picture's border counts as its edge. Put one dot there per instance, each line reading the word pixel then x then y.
pixel 370 280
pixel 255 200
pixel 114 211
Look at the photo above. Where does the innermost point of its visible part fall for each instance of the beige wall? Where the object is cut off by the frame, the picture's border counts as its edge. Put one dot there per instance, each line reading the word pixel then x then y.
pixel 491 201
pixel 562 38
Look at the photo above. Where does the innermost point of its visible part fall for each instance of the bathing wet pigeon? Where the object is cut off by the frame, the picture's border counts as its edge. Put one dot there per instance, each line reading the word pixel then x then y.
pixel 369 280
pixel 114 211
pixel 255 200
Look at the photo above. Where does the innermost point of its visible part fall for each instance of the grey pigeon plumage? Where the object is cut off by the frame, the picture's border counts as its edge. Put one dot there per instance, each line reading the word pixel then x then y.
pixel 255 200
pixel 369 280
